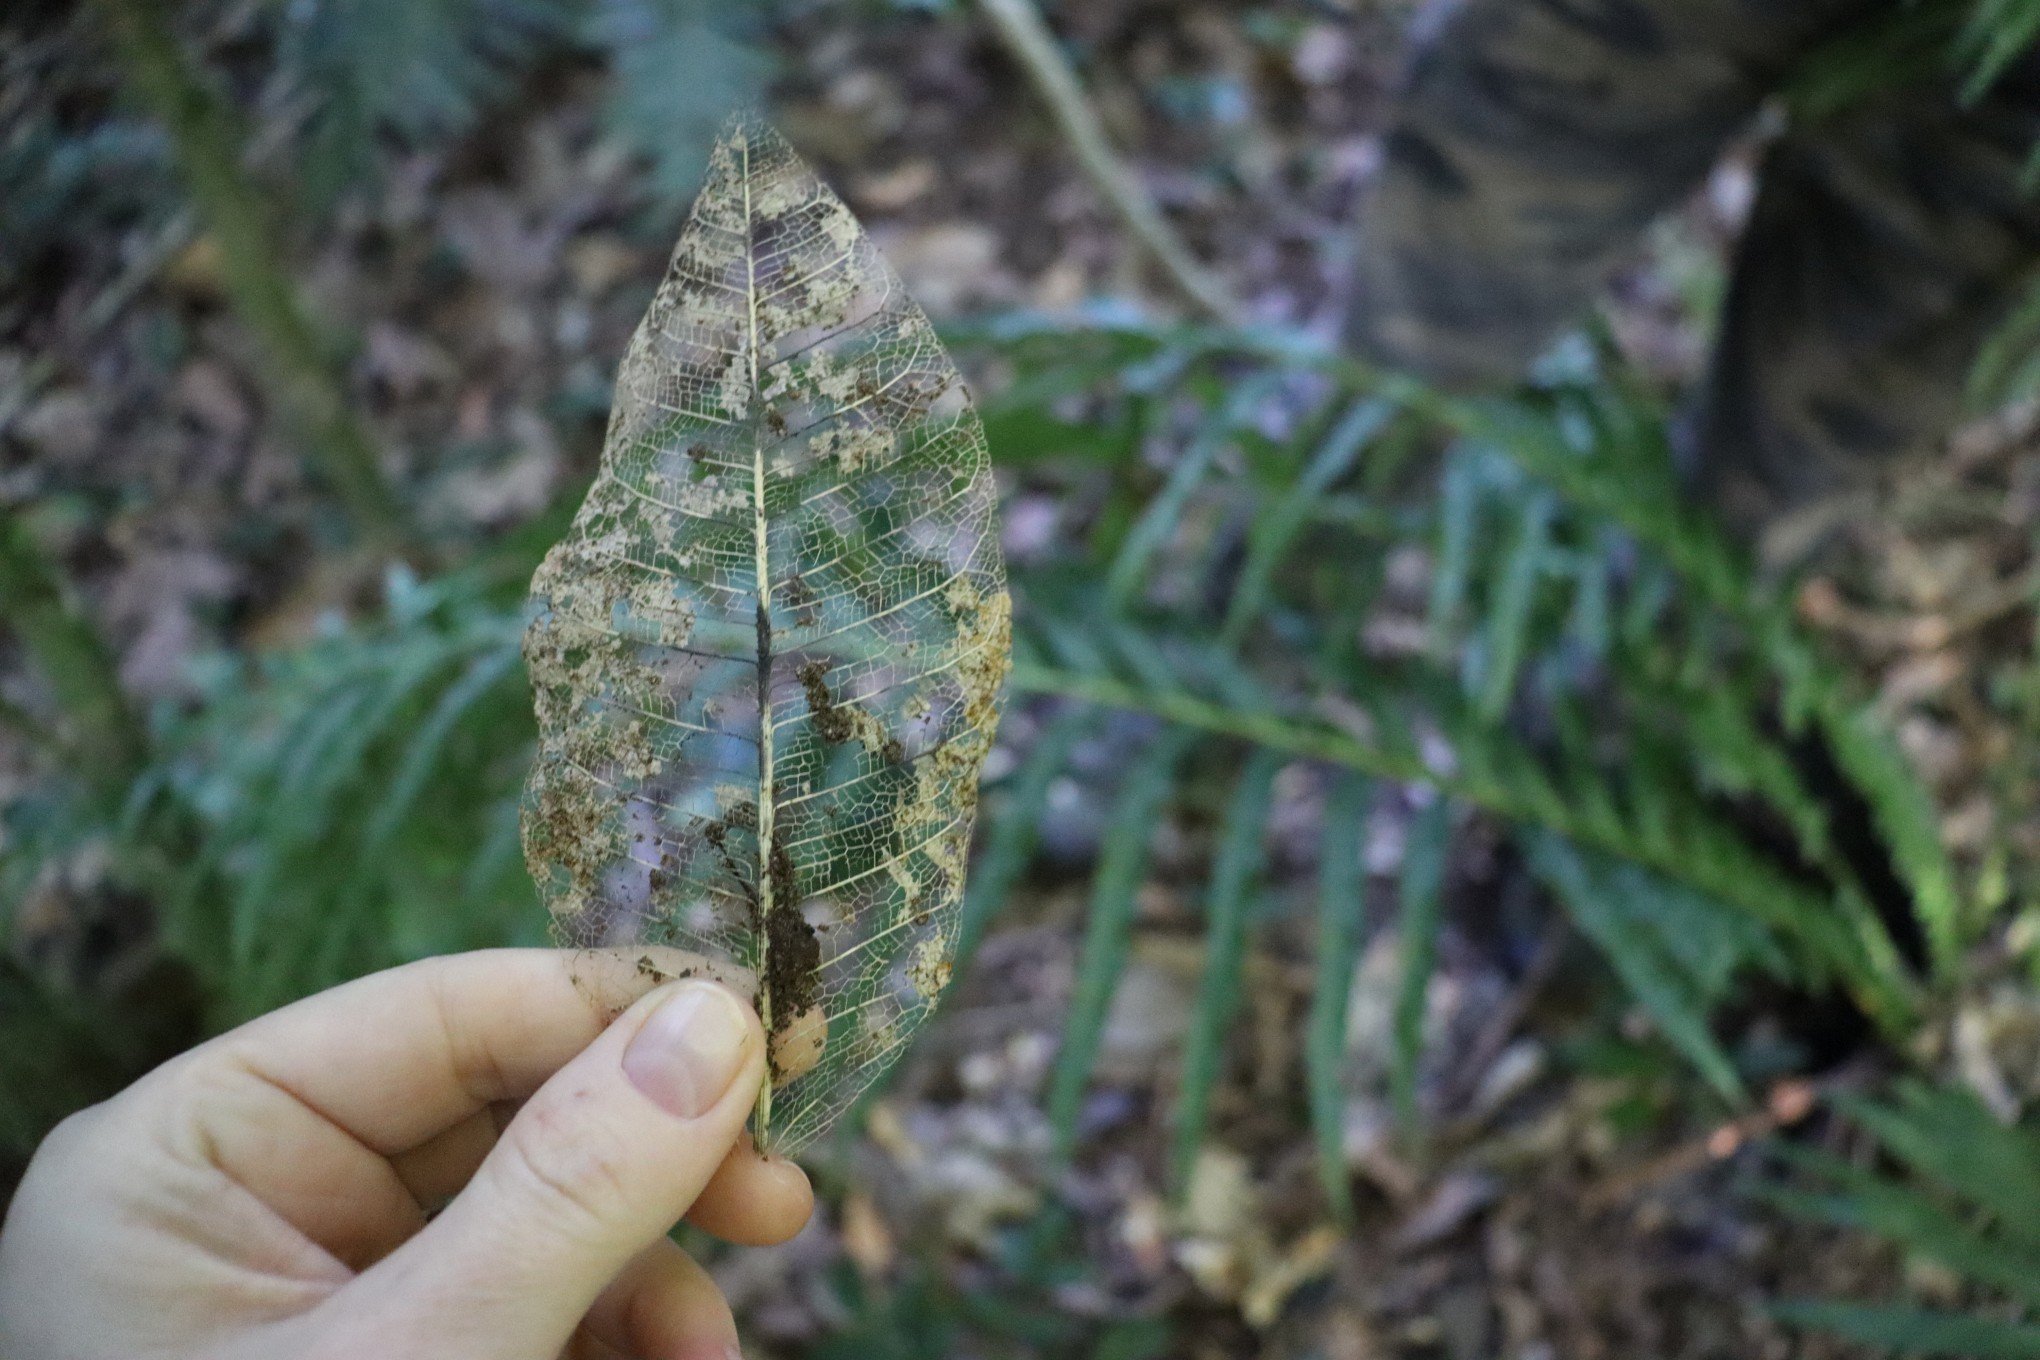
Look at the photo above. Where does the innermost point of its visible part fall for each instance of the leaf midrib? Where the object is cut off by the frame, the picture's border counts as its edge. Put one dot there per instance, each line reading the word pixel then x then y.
pixel 767 799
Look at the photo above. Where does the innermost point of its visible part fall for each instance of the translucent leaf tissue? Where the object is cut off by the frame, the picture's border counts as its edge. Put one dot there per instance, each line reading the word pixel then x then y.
pixel 768 656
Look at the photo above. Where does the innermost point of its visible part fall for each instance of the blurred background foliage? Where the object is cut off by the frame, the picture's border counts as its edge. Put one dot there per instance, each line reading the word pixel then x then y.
pixel 1530 842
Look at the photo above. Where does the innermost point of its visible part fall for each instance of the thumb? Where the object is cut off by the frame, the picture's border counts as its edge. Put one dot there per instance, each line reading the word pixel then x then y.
pixel 599 1164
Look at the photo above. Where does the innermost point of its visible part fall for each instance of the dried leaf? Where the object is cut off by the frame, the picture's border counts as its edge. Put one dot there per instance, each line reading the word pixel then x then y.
pixel 768 656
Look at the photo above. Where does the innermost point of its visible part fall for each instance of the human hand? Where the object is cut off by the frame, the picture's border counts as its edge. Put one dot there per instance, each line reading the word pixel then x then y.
pixel 272 1192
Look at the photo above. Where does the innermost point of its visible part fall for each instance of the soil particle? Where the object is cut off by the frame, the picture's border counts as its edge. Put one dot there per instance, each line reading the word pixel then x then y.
pixel 831 723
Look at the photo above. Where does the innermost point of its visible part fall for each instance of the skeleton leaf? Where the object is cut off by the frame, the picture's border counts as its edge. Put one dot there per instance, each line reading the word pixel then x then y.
pixel 767 657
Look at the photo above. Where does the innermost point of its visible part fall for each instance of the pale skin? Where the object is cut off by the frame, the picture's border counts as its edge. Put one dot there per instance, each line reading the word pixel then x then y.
pixel 470 1158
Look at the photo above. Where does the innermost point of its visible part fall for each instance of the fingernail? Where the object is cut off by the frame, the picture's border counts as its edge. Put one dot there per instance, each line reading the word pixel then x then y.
pixel 710 1350
pixel 686 1055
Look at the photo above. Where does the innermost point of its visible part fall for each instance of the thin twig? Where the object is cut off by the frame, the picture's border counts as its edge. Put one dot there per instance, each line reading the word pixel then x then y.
pixel 1027 38
pixel 1788 1103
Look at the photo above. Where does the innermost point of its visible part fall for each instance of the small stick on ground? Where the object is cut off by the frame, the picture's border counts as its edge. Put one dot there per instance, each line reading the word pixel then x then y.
pixel 1788 1103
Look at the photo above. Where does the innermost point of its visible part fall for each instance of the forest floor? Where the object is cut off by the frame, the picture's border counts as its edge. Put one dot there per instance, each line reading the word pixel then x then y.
pixel 1563 1205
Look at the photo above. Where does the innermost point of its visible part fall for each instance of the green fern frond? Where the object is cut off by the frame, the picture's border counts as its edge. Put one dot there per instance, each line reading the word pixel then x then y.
pixel 1905 45
pixel 1916 1331
pixel 1108 928
pixel 1998 33
pixel 1013 824
pixel 1605 456
pixel 1131 568
pixel 403 71
pixel 1965 1197
pixel 2007 368
pixel 1420 898
pixel 350 801
pixel 1813 691
pixel 1507 635
pixel 1459 510
pixel 1857 1197
pixel 54 178
pixel 1675 950
pixel 1665 830
pixel 1341 915
pixel 677 67
pixel 1233 875
pixel 1277 526
pixel 1947 1136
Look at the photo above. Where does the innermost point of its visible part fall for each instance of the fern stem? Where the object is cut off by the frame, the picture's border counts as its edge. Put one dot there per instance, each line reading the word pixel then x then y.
pixel 1813 690
pixel 298 370
pixel 1229 904
pixel 1108 930
pixel 1341 912
pixel 1420 903
pixel 1700 553
pixel 1764 896
pixel 1028 40
pixel 105 731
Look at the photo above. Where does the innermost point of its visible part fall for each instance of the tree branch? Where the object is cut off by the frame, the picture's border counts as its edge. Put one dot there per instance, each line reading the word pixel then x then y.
pixel 1028 40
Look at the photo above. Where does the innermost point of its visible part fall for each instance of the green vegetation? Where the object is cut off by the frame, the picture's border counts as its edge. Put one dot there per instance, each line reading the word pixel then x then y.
pixel 1958 1188
pixel 1594 668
